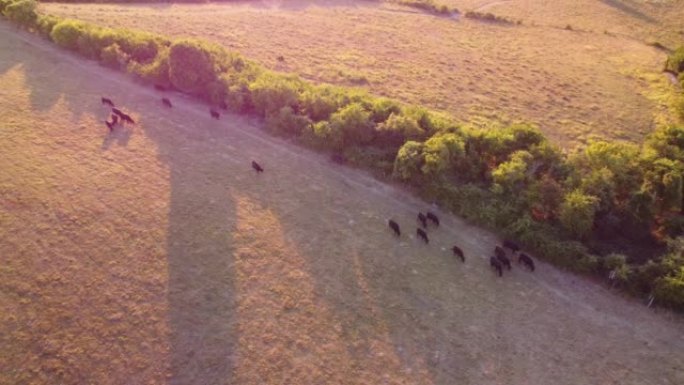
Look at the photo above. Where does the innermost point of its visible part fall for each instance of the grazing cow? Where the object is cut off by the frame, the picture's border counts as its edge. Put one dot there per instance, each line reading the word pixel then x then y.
pixel 127 119
pixel 514 247
pixel 433 218
pixel 107 101
pixel 110 126
pixel 501 256
pixel 214 114
pixel 167 102
pixel 526 260
pixel 494 262
pixel 458 252
pixel 422 234
pixel 338 158
pixel 395 226
pixel 159 87
pixel 223 105
pixel 422 219
pixel 257 167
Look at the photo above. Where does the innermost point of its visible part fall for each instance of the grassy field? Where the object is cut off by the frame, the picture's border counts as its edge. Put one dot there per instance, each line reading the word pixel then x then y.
pixel 155 255
pixel 574 84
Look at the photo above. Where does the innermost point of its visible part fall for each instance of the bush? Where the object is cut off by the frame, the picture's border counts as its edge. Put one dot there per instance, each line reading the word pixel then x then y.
pixel 22 12
pixel 670 290
pixel 156 72
pixel 191 66
pixel 382 108
pixel 113 57
pixel 675 62
pixel 577 213
pixel 287 122
pixel 442 153
pixel 46 23
pixel 4 4
pixel 354 122
pixel 322 135
pixel 271 92
pixel 679 101
pixel 487 17
pixel 396 129
pixel 509 175
pixel 409 161
pixel 144 47
pixel 66 33
pixel 617 265
pixel 321 101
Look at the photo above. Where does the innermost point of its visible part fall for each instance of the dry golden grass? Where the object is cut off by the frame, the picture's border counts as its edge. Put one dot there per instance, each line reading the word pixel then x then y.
pixel 156 255
pixel 574 84
pixel 642 20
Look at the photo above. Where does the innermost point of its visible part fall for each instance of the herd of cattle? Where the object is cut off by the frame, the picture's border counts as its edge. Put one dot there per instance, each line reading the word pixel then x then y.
pixel 497 261
pixel 119 116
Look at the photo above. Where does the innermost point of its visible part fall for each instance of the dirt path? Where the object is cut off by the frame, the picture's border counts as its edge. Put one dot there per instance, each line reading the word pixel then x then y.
pixel 292 276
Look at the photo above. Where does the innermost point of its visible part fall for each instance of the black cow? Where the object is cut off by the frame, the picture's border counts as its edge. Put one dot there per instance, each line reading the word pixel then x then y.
pixel 394 226
pixel 514 247
pixel 167 102
pixel 338 158
pixel 223 105
pixel 214 114
pixel 526 260
pixel 422 234
pixel 501 256
pixel 257 167
pixel 127 119
pixel 422 219
pixel 458 252
pixel 494 262
pixel 433 218
pixel 107 101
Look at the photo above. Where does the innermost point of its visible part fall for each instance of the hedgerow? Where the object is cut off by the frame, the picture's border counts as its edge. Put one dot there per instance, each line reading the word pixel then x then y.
pixel 512 179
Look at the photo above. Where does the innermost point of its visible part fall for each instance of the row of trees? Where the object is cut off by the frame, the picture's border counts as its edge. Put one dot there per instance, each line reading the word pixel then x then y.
pixel 605 207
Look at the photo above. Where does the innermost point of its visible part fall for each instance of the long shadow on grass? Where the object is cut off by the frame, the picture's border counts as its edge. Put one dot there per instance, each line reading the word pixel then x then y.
pixel 628 9
pixel 201 292
pixel 42 75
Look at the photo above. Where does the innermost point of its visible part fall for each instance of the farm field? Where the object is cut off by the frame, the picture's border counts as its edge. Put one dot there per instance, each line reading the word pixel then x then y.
pixel 156 255
pixel 575 84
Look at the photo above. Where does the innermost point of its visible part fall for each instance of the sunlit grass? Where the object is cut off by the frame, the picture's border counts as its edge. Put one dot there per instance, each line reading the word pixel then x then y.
pixel 476 71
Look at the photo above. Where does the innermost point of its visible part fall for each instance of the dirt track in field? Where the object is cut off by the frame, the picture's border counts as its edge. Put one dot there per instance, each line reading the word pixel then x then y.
pixel 156 255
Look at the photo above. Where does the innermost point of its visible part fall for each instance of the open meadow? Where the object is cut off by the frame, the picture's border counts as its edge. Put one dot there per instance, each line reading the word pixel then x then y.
pixel 598 79
pixel 155 255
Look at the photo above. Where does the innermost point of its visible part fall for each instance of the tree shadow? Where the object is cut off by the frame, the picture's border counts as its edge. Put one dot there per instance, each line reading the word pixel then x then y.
pixel 200 248
pixel 200 217
pixel 42 74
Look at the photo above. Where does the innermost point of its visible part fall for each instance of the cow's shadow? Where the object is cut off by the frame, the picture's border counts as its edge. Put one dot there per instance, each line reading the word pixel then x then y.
pixel 119 135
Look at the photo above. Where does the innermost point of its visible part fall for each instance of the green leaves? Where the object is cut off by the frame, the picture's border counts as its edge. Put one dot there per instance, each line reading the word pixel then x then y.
pixel 577 213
